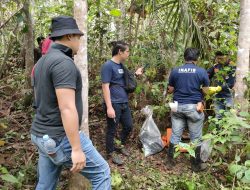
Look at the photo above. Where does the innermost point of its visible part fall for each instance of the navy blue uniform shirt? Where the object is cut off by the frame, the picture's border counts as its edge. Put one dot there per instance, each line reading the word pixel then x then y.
pixel 187 81
pixel 113 73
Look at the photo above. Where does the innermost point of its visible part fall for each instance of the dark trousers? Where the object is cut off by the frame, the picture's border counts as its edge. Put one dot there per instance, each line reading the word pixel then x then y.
pixel 123 116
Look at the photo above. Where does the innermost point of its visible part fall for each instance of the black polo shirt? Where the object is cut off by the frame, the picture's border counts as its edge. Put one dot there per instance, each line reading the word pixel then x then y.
pixel 54 70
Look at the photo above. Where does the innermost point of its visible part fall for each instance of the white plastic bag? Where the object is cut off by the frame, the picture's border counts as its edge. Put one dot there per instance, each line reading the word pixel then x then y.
pixel 173 106
pixel 150 135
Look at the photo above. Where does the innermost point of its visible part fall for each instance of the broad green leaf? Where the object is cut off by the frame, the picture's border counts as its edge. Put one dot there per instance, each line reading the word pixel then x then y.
pixel 19 17
pixel 244 114
pixel 247 163
pixel 3 170
pixel 209 2
pixel 20 174
pixel 237 158
pixel 218 163
pixel 191 152
pixel 234 168
pixel 208 136
pixel 236 139
pixel 9 178
pixel 221 148
pixel 116 179
pixel 247 174
pixel 190 185
pixel 239 174
pixel 245 180
pixel 115 12
pixel 176 154
pixel 222 140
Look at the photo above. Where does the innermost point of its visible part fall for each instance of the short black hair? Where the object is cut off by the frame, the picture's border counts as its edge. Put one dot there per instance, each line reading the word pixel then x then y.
pixel 56 38
pixel 39 39
pixel 118 45
pixel 191 54
pixel 60 37
pixel 220 53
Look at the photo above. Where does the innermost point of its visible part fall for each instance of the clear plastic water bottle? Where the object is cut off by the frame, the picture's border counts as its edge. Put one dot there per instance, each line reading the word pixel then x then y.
pixel 49 145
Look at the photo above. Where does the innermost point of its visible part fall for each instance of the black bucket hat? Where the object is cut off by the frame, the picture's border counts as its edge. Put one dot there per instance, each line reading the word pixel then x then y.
pixel 63 25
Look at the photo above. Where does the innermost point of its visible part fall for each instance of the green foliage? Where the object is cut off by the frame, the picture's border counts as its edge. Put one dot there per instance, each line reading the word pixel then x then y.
pixel 189 147
pixel 8 178
pixel 242 172
pixel 115 12
pixel 227 139
pixel 152 179
pixel 45 10
pixel 247 82
pixel 116 179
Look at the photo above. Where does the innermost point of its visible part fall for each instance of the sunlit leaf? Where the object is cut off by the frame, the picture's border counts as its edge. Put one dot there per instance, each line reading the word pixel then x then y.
pixel 234 168
pixel 190 185
pixel 247 163
pixel 3 170
pixel 247 174
pixel 116 179
pixel 115 12
pixel 3 126
pixel 9 178
pixel 2 143
pixel 244 114
pixel 239 174
pixel 236 139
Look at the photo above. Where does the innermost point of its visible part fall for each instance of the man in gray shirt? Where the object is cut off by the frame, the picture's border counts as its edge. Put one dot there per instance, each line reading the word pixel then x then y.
pixel 58 85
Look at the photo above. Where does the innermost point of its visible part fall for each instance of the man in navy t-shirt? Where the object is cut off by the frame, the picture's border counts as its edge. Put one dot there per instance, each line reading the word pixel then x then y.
pixel 113 73
pixel 222 74
pixel 186 82
pixel 116 99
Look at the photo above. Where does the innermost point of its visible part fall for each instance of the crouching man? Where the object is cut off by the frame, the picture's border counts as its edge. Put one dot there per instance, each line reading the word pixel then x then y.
pixel 186 82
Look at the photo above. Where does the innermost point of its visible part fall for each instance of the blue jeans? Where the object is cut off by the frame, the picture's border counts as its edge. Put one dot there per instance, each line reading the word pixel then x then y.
pixel 123 116
pixel 222 104
pixel 187 116
pixel 49 168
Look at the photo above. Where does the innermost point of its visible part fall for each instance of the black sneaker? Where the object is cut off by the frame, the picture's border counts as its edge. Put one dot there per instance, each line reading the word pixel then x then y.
pixel 171 163
pixel 125 152
pixel 199 168
pixel 116 159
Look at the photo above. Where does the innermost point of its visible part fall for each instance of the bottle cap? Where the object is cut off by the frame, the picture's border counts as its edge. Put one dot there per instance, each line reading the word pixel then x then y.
pixel 45 137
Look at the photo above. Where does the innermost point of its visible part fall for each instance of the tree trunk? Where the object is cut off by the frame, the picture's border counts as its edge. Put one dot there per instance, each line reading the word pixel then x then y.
pixel 29 43
pixel 119 24
pixel 100 27
pixel 243 55
pixel 130 23
pixel 3 65
pixel 80 14
pixel 137 29
pixel 77 181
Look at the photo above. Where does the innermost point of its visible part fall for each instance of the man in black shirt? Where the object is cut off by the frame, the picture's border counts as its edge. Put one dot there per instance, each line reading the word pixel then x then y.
pixel 58 86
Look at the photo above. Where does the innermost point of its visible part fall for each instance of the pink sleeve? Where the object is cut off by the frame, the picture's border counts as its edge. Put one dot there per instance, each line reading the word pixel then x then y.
pixel 46 45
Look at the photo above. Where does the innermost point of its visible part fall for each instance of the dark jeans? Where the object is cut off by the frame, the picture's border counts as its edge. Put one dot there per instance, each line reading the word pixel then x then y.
pixel 123 116
pixel 222 104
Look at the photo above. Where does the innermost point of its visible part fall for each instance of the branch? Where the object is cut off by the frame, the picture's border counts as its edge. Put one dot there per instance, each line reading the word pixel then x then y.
pixel 10 18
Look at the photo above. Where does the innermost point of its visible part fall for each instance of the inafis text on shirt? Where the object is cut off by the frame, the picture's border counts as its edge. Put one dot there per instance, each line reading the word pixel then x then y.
pixel 186 70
